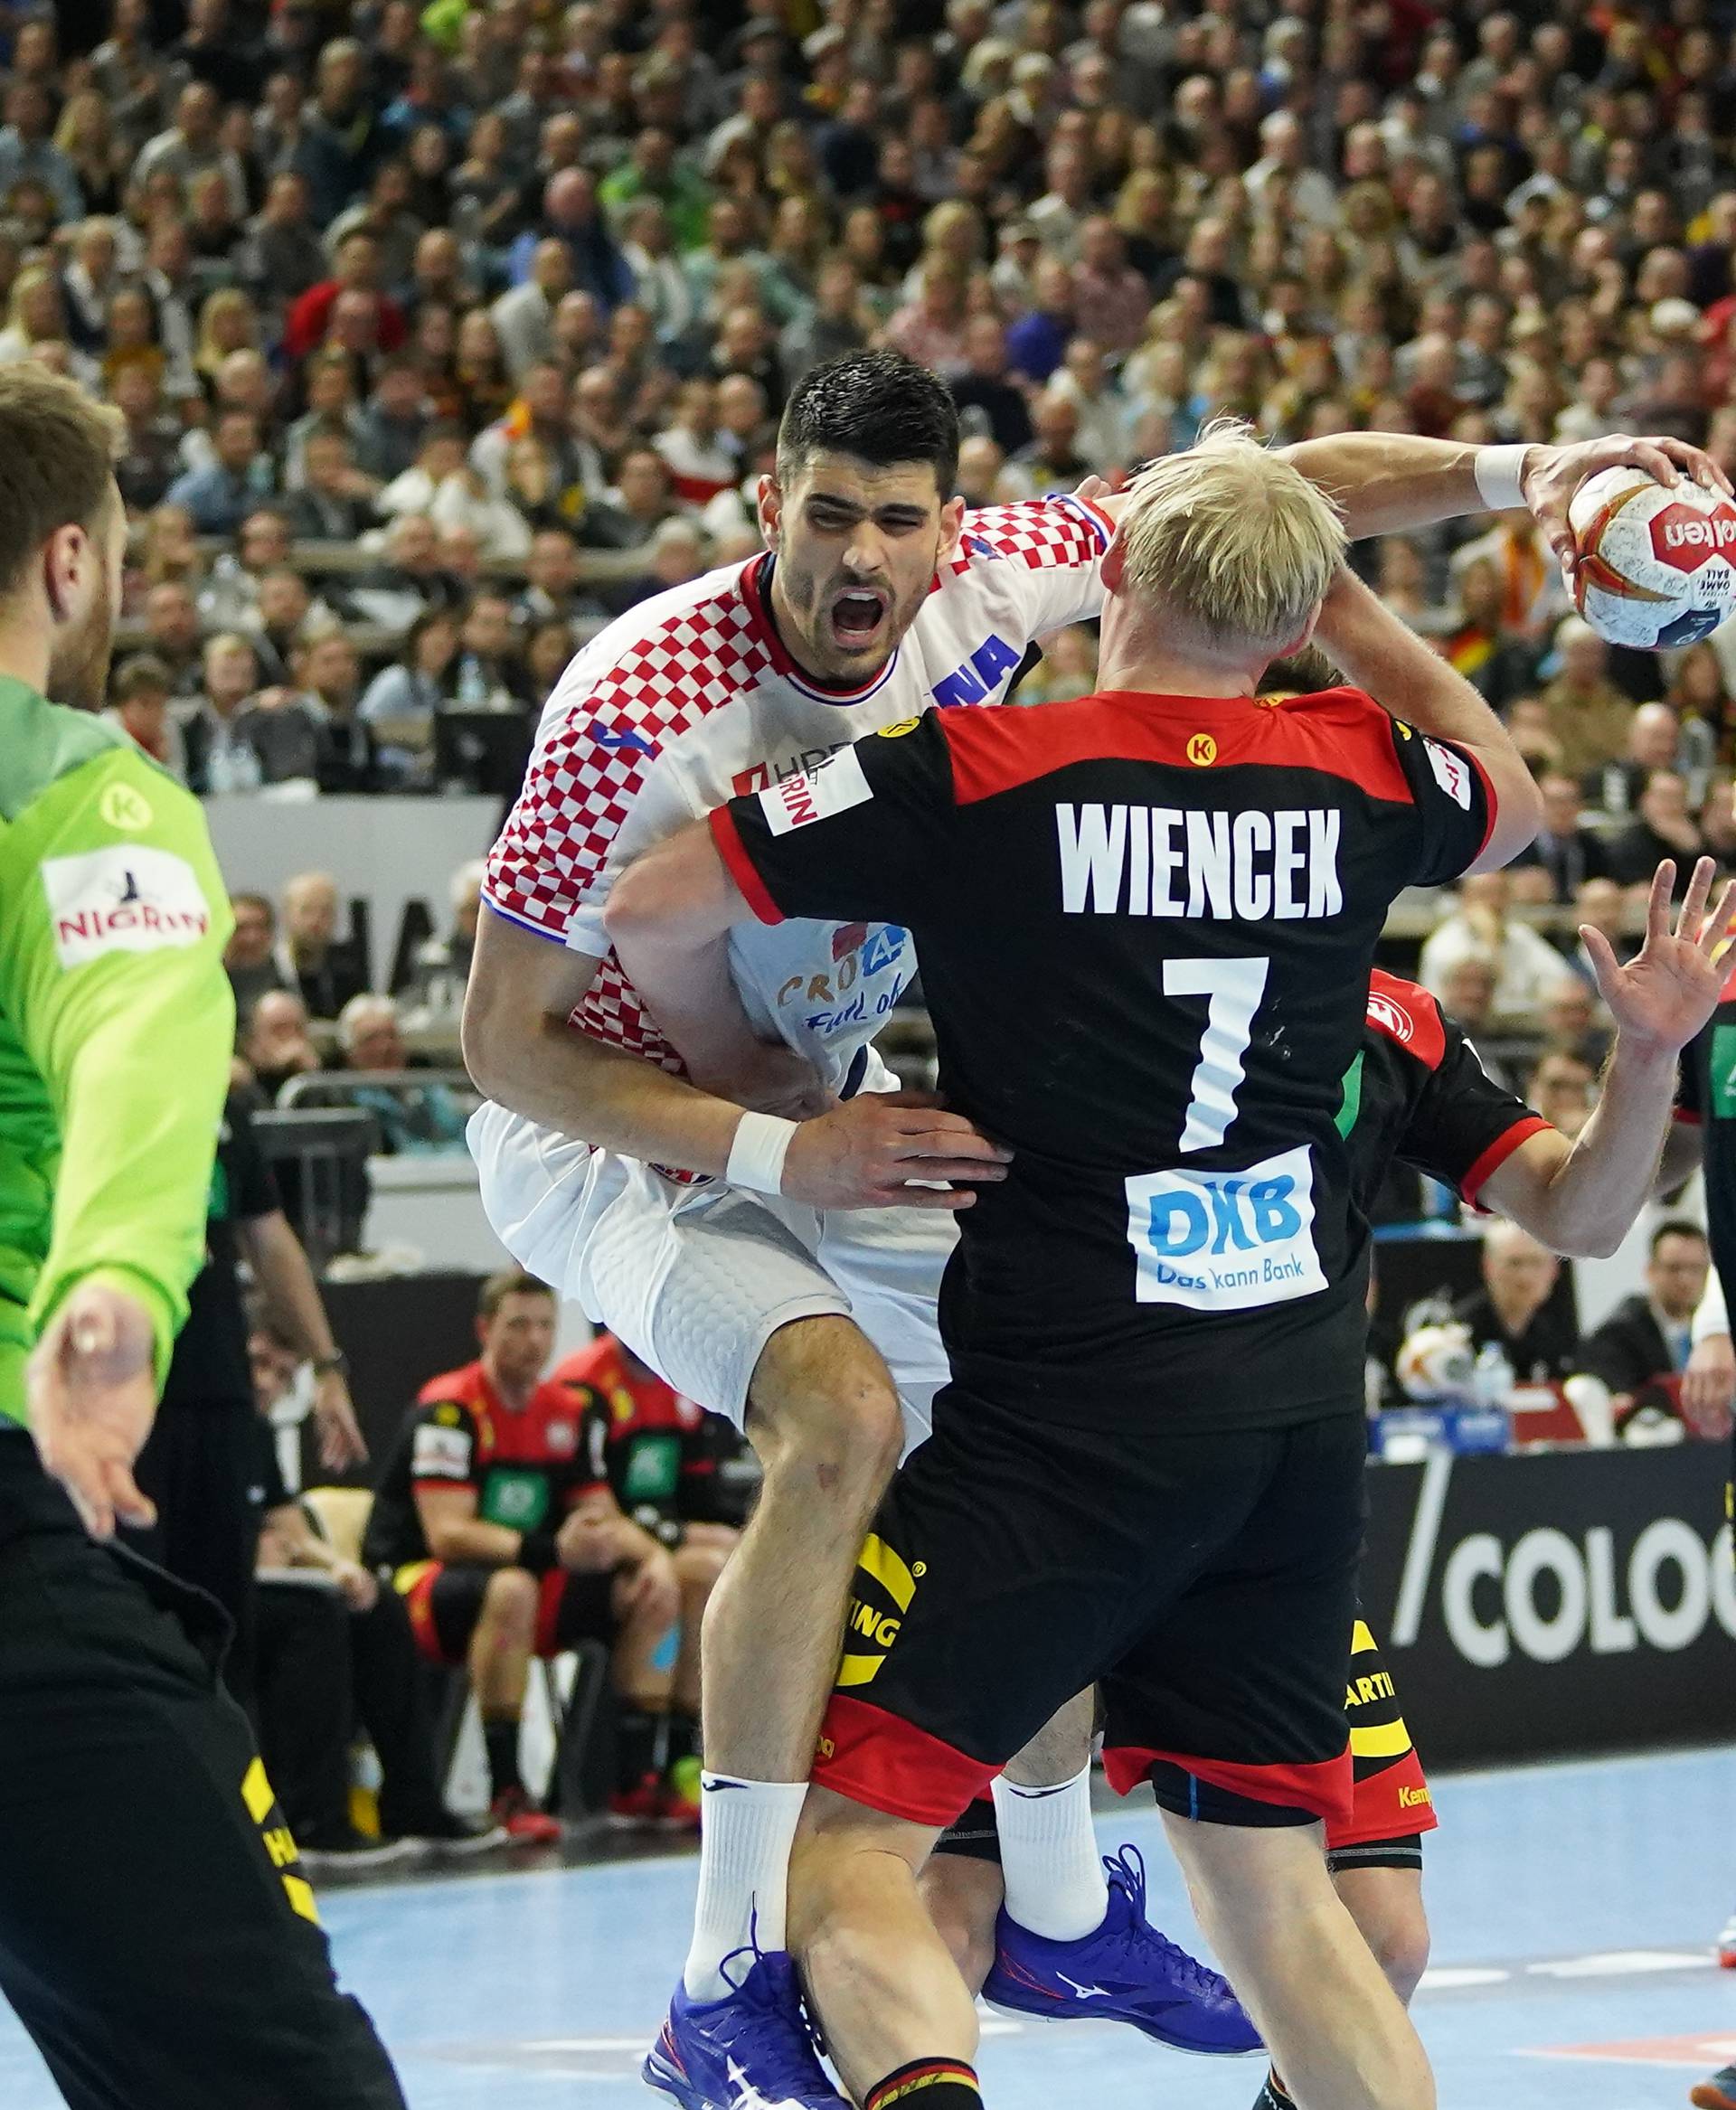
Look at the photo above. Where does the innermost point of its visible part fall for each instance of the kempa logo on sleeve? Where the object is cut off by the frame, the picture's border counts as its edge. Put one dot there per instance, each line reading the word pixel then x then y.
pixel 829 788
pixel 125 898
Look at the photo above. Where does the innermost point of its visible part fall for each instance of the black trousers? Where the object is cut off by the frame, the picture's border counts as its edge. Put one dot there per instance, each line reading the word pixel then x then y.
pixel 199 1465
pixel 321 1668
pixel 158 1939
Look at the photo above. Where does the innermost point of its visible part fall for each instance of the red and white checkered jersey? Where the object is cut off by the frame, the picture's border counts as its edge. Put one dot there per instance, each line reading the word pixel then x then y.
pixel 691 698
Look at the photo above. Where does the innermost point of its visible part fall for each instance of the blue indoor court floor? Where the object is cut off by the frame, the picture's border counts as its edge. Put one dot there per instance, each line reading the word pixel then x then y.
pixel 1574 1910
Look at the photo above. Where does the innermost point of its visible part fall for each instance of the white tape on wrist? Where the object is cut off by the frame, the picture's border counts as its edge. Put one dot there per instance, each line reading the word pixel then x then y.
pixel 1498 473
pixel 758 1152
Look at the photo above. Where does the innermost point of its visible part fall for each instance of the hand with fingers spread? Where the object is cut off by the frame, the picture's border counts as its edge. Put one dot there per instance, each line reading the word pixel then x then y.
pixel 1552 475
pixel 863 1154
pixel 90 1391
pixel 1669 991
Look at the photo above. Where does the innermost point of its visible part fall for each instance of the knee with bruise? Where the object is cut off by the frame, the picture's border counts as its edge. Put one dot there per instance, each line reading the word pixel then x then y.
pixel 509 1603
pixel 823 1411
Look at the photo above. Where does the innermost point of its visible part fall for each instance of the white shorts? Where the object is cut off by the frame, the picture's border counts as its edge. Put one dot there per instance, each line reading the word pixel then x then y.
pixel 697 1279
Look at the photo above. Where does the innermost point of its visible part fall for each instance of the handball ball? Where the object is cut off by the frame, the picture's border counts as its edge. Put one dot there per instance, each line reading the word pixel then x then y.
pixel 1655 560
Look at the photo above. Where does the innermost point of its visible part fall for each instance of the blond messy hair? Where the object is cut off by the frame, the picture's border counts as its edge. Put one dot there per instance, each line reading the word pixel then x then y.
pixel 1230 540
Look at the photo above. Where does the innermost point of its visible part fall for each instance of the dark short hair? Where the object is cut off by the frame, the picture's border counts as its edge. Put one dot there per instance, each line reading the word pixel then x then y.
pixel 509 1282
pixel 243 898
pixel 1675 1226
pixel 878 405
pixel 57 463
pixel 143 674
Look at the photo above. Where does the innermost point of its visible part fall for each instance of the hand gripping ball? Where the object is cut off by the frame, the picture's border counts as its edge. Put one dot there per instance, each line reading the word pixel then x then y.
pixel 1655 560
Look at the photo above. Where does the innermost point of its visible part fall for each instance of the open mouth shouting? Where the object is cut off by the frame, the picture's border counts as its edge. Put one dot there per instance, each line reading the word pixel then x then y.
pixel 858 619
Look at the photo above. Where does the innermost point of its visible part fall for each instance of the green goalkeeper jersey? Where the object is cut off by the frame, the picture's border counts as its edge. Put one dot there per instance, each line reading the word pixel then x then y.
pixel 116 1024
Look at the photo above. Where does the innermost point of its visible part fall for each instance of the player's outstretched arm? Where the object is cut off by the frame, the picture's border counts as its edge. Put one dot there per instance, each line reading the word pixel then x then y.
pixel 1390 663
pixel 1583 1199
pixel 1387 483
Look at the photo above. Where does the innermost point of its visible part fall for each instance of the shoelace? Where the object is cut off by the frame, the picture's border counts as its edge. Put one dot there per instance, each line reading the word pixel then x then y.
pixel 1126 1873
pixel 793 2043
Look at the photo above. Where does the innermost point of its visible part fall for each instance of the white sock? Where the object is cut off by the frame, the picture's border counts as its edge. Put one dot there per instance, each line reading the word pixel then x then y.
pixel 1050 1859
pixel 746 1830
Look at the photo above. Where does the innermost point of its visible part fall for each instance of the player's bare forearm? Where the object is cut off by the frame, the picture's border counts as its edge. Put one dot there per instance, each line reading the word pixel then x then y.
pixel 1383 483
pixel 522 1050
pixel 1376 652
pixel 1683 1151
pixel 1386 483
pixel 1583 1199
pixel 280 1268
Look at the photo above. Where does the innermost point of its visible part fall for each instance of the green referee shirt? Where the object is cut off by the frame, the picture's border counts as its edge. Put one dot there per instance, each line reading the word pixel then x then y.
pixel 116 1024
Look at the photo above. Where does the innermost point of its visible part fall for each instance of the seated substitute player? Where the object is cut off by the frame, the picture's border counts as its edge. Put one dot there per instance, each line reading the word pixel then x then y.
pixel 799 1315
pixel 498 1529
pixel 1416 1092
pixel 687 1478
pixel 1193 886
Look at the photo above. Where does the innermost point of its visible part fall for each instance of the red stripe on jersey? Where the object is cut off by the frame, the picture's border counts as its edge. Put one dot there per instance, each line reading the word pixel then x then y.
pixel 728 838
pixel 1499 1151
pixel 1327 1786
pixel 1340 732
pixel 1406 1013
pixel 889 1765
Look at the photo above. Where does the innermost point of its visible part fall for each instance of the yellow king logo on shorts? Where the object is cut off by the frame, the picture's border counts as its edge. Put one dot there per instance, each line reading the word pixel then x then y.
pixel 899 727
pixel 885 1587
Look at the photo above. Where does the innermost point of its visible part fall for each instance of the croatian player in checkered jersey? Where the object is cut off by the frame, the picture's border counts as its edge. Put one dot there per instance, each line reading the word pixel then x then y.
pixel 786 1275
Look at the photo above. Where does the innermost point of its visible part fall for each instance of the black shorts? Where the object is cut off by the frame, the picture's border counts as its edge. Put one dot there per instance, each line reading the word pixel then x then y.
pixel 1391 1806
pixel 158 1936
pixel 444 1600
pixel 1206 1582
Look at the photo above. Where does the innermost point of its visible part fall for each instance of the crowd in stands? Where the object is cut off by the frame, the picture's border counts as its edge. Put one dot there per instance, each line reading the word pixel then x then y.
pixel 440 335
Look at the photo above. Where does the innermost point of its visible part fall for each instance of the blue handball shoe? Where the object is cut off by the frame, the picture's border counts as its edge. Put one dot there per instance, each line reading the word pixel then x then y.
pixel 751 2050
pixel 1125 1971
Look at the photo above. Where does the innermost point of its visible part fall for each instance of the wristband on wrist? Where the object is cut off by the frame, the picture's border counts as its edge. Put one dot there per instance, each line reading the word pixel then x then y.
pixel 758 1152
pixel 536 1551
pixel 324 1365
pixel 1499 471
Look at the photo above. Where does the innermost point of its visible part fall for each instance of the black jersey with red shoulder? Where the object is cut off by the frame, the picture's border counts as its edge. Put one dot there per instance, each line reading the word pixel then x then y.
pixel 1707 1097
pixel 526 1465
pixel 1417 1092
pixel 668 1461
pixel 1146 926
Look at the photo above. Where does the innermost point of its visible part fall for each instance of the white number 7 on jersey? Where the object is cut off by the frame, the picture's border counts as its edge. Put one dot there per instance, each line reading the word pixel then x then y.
pixel 1232 989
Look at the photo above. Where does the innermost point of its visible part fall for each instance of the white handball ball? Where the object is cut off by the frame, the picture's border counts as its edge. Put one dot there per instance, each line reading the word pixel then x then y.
pixel 1655 560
